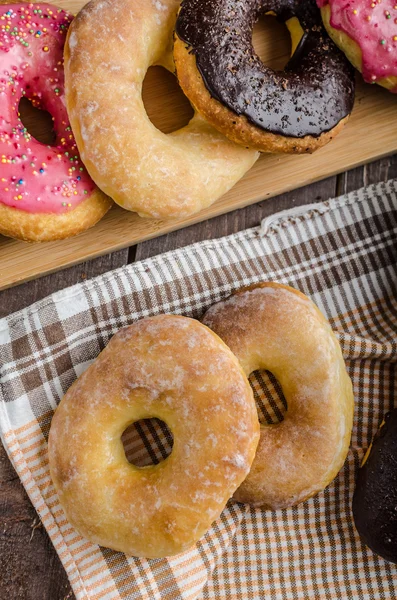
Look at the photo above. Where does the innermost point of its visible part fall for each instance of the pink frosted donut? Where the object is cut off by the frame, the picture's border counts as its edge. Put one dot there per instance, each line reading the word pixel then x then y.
pixel 45 191
pixel 366 31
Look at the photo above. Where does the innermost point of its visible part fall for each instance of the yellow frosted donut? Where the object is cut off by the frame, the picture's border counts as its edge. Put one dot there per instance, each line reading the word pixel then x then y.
pixel 109 49
pixel 274 327
pixel 178 370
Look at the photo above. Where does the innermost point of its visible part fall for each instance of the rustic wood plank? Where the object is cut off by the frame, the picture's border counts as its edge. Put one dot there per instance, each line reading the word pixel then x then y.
pixel 237 220
pixel 381 170
pixel 29 566
pixel 23 295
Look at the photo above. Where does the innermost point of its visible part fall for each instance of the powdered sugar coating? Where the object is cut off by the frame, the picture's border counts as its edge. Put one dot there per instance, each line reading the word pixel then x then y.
pixel 140 167
pixel 192 388
pixel 273 327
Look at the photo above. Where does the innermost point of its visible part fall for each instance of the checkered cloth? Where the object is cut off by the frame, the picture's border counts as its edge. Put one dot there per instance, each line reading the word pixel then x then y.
pixel 342 253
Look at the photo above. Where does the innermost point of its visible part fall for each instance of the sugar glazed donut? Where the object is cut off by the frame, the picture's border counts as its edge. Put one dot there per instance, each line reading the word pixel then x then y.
pixel 367 33
pixel 141 168
pixel 45 191
pixel 175 369
pixel 295 110
pixel 274 327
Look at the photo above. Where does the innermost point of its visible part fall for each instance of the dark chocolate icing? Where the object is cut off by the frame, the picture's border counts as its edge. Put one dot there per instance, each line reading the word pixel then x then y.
pixel 312 94
pixel 375 497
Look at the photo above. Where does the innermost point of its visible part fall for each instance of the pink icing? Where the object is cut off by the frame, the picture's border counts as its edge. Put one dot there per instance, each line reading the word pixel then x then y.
pixel 34 177
pixel 373 25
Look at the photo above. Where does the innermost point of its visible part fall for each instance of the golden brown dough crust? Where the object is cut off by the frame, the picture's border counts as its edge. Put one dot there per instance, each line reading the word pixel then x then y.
pixel 274 327
pixel 141 168
pixel 176 369
pixel 47 227
pixel 238 128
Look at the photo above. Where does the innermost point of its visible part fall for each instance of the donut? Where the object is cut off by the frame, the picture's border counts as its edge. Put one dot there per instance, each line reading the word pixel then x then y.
pixel 274 327
pixel 176 369
pixel 375 497
pixel 45 191
pixel 141 168
pixel 296 110
pixel 367 33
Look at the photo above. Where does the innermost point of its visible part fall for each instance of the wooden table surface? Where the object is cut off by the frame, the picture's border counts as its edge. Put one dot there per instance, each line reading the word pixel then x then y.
pixel 29 566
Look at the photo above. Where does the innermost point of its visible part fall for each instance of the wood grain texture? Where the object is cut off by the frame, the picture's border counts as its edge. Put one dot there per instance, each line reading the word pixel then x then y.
pixel 378 171
pixel 237 220
pixel 29 566
pixel 16 298
pixel 371 133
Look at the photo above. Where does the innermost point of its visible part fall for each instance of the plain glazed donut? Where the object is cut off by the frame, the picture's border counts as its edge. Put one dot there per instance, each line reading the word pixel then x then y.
pixel 296 110
pixel 367 33
pixel 176 369
pixel 274 327
pixel 45 191
pixel 141 168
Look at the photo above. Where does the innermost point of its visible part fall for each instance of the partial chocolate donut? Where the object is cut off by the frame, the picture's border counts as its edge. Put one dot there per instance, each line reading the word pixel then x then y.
pixel 375 497
pixel 295 110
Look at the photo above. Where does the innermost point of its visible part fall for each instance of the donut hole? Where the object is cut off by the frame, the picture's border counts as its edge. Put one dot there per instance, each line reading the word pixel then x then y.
pixel 147 442
pixel 166 105
pixel 272 42
pixel 269 397
pixel 39 123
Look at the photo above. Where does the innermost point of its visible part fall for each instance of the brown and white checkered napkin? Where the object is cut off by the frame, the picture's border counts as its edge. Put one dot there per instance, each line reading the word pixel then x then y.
pixel 341 253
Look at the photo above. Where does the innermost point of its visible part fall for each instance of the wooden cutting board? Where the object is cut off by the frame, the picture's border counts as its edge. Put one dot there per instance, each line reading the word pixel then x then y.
pixel 370 134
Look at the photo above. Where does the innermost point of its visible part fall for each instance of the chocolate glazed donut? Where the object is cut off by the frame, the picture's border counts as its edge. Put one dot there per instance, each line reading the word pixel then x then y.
pixel 295 110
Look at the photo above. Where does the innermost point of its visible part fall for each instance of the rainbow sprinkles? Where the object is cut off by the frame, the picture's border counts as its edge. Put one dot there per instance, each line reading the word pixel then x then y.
pixel 372 24
pixel 34 177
